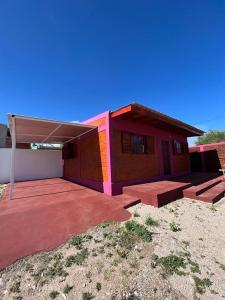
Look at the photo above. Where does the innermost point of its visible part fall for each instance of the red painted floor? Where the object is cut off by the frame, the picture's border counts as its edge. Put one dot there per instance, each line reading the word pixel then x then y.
pixel 45 213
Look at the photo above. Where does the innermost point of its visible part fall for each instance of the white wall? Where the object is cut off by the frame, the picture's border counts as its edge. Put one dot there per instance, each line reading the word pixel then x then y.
pixel 31 164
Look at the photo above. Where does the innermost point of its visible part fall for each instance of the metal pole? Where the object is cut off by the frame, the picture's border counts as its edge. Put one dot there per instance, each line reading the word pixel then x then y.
pixel 12 169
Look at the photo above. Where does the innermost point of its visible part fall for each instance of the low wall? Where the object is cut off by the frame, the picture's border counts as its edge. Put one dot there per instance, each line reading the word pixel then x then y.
pixel 31 164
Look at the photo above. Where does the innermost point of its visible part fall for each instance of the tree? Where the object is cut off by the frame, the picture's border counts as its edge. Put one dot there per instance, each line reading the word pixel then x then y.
pixel 212 136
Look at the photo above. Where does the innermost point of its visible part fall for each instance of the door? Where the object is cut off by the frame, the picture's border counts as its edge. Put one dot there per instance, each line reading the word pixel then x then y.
pixel 166 157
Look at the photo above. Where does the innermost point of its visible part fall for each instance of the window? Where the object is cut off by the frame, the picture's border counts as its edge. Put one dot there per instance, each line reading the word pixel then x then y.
pixel 137 144
pixel 180 147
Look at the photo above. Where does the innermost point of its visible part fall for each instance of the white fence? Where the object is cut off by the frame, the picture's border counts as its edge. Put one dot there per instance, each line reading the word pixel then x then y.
pixel 31 164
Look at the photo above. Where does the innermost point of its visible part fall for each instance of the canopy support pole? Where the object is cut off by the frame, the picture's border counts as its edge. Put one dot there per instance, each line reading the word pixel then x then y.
pixel 12 167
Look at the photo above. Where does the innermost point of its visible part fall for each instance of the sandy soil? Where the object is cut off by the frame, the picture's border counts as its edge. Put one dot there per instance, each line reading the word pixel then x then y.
pixel 118 268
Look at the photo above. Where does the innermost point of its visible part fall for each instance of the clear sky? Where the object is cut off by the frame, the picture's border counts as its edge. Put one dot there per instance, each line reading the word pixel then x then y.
pixel 70 60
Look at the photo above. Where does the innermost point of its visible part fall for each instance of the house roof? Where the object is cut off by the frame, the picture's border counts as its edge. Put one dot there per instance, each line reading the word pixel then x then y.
pixel 36 130
pixel 138 113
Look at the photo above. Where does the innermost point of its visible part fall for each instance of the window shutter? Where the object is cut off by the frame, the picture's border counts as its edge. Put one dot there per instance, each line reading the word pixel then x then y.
pixel 126 142
pixel 150 144
pixel 186 149
pixel 174 147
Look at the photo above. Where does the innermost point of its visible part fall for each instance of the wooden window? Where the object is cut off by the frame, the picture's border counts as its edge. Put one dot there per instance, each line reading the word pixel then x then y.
pixel 179 147
pixel 137 144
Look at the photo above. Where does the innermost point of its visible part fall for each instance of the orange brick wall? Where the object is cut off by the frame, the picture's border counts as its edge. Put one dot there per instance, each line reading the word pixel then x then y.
pixel 180 163
pixel 133 166
pixel 91 158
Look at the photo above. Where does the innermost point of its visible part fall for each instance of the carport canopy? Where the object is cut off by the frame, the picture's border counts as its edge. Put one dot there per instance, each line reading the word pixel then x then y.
pixel 29 130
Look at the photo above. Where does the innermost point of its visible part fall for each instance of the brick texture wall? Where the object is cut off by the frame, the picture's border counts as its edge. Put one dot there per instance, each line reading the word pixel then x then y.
pixel 133 166
pixel 93 157
pixel 90 161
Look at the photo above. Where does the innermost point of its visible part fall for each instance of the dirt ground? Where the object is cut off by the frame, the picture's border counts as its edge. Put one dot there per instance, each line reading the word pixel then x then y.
pixel 173 252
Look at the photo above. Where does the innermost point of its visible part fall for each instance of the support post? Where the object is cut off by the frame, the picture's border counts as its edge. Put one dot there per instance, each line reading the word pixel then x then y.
pixel 12 168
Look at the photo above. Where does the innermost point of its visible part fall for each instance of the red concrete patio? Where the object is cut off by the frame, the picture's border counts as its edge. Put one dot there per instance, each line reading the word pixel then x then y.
pixel 45 213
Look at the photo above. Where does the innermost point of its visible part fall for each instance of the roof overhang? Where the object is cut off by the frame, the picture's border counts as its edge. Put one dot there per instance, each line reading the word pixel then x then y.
pixel 143 115
pixel 36 130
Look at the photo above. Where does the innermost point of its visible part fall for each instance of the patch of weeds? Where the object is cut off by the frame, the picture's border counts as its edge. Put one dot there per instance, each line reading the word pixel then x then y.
pixel 106 224
pixel 185 243
pixel 194 266
pixel 57 256
pixel 136 215
pixel 98 286
pixel 88 275
pixel 222 266
pixel 139 230
pixel 29 267
pixel 18 297
pixel 67 289
pixel 53 294
pixel 171 264
pixel 77 259
pixel 151 222
pixel 214 292
pixel 201 284
pixel 174 227
pixel 76 241
pixel 56 270
pixel 212 208
pixel 134 264
pixel 88 237
pixel 87 296
pixel 122 253
pixel 15 288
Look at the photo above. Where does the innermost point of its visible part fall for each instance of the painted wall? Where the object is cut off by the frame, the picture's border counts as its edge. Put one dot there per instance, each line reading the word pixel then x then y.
pixel 31 164
pixel 90 166
pixel 130 169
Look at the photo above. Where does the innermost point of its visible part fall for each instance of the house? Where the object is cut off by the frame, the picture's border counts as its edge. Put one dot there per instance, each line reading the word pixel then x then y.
pixel 207 157
pixel 133 144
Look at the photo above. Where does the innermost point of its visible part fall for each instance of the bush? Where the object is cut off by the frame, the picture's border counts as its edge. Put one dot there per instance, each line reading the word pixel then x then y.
pixel 139 230
pixel 151 222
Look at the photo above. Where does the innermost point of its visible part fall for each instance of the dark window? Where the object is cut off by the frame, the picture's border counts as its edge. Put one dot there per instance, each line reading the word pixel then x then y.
pixel 180 147
pixel 138 144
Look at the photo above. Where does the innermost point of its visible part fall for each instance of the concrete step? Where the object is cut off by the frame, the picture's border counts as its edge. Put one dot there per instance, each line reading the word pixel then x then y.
pixel 213 194
pixel 194 191
pixel 157 193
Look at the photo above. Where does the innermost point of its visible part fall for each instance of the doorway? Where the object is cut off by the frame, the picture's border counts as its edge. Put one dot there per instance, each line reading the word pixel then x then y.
pixel 166 158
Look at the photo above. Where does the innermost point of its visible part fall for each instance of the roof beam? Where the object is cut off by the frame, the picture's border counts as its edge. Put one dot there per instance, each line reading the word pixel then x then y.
pixel 51 133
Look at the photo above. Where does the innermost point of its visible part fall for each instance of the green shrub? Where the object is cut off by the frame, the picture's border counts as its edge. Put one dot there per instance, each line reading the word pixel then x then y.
pixel 67 289
pixel 98 286
pixel 53 294
pixel 87 296
pixel 151 222
pixel 77 259
pixel 76 241
pixel 201 284
pixel 171 264
pixel 15 288
pixel 174 227
pixel 139 230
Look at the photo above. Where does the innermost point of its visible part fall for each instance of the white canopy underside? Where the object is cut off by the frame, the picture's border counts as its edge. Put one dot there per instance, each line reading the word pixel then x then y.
pixel 35 130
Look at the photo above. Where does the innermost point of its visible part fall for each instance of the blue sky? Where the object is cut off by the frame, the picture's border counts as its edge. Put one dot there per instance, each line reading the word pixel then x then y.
pixel 70 60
